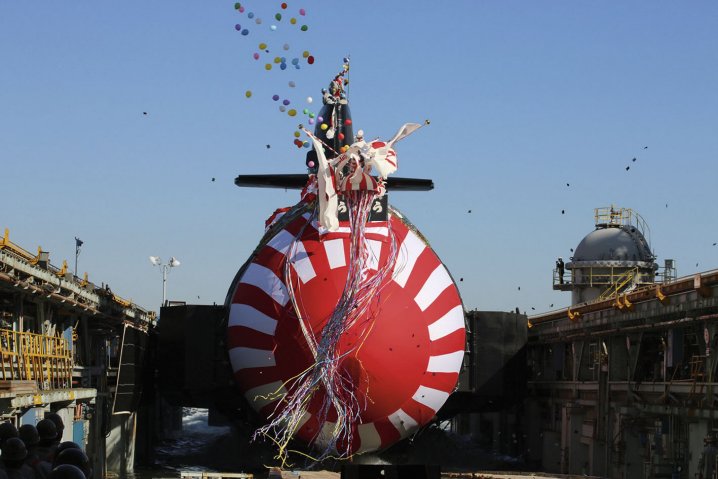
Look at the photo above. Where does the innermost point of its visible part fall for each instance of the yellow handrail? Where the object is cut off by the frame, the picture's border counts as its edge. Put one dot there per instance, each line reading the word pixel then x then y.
pixel 613 290
pixel 47 360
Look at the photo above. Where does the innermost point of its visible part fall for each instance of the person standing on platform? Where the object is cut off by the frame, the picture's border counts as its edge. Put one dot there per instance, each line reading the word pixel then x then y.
pixel 560 269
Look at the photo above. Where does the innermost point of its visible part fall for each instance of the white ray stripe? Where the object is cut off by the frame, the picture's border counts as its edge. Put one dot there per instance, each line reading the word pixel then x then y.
pixel 265 279
pixel 281 241
pixel 409 251
pixel 374 250
pixel 249 317
pixel 446 363
pixel 447 324
pixel 435 284
pixel 322 440
pixel 431 398
pixel 403 423
pixel 243 358
pixel 260 396
pixel 368 437
pixel 377 230
pixel 302 263
pixel 335 253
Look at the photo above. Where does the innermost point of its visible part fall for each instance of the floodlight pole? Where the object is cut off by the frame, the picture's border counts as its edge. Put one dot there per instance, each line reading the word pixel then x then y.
pixel 173 262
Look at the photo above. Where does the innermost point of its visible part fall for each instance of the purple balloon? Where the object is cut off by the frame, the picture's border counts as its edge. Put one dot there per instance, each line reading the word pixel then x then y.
pixel 275 97
pixel 286 102
pixel 238 27
pixel 311 121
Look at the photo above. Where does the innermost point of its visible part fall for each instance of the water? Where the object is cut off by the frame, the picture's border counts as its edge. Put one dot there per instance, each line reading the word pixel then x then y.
pixel 189 452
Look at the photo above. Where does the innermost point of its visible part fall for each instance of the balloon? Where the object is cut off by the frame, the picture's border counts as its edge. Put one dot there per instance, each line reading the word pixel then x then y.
pixel 304 28
pixel 245 32
pixel 324 126
pixel 347 121
pixel 268 66
pixel 238 27
pixel 310 164
pixel 310 60
pixel 292 112
pixel 311 115
pixel 248 93
pixel 311 120
pixel 286 102
pixel 295 61
pixel 306 144
pixel 302 12
pixel 305 111
pixel 305 54
pixel 283 66
pixel 273 27
pixel 297 134
pixel 293 21
pixel 255 56
pixel 278 16
pixel 292 84
pixel 282 108
pixel 340 136
pixel 262 46
pixel 237 6
pixel 275 97
pixel 320 118
pixel 258 21
pixel 241 9
pixel 286 46
pixel 284 6
pixel 277 60
pixel 250 15
pixel 310 99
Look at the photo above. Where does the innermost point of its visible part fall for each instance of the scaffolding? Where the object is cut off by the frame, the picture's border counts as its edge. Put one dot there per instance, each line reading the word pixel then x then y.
pixel 45 360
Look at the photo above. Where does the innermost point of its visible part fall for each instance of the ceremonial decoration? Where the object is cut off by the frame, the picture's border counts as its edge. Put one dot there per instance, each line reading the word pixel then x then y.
pixel 345 329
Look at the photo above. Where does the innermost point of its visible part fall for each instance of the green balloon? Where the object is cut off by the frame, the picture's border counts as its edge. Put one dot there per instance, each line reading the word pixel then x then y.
pixel 278 16
pixel 304 28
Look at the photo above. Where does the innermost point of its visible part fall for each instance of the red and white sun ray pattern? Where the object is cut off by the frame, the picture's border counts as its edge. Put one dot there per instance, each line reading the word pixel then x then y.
pixel 403 369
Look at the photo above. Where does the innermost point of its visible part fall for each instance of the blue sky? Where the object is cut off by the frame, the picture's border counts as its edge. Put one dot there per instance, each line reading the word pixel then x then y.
pixel 523 97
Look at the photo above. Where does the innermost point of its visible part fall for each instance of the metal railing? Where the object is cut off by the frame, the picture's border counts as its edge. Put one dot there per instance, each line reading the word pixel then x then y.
pixel 620 284
pixel 612 216
pixel 46 360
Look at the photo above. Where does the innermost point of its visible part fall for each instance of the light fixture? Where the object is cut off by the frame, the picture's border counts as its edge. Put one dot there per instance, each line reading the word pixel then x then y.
pixel 172 263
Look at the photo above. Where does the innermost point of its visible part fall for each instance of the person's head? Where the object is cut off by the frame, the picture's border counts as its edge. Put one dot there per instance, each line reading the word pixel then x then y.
pixel 75 457
pixel 7 430
pixel 59 425
pixel 66 471
pixel 29 435
pixel 48 432
pixel 66 445
pixel 14 453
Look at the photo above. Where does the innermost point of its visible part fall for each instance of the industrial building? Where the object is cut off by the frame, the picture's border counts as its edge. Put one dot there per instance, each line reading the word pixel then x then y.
pixel 621 383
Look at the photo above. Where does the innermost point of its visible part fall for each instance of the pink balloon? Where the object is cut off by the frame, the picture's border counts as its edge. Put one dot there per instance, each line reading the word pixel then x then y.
pixel 302 12
pixel 256 56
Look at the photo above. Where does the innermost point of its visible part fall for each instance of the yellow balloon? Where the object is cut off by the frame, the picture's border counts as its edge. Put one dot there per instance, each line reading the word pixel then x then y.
pixel 248 93
pixel 277 59
pixel 268 66
pixel 262 46
pixel 293 21
pixel 305 54
pixel 296 134
pixel 292 112
pixel 324 126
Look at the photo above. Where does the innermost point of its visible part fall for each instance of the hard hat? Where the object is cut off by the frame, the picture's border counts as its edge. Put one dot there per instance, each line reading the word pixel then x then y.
pixel 29 435
pixel 66 471
pixel 14 449
pixel 75 457
pixel 66 445
pixel 360 134
pixel 55 417
pixel 7 430
pixel 47 430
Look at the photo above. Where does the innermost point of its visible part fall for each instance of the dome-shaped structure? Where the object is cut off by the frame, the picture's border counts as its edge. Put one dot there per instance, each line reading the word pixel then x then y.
pixel 614 245
pixel 614 258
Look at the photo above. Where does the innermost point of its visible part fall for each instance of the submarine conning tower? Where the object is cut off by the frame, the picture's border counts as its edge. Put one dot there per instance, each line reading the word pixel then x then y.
pixel 613 259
